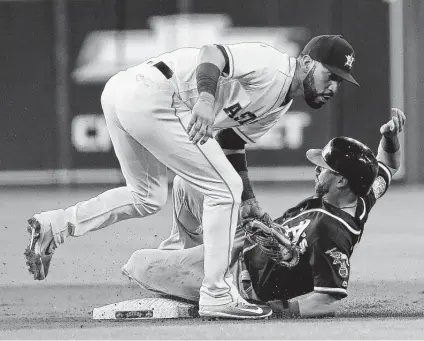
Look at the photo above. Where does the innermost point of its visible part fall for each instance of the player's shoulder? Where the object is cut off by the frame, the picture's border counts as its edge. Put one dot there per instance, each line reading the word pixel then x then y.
pixel 331 229
pixel 324 220
pixel 185 51
pixel 180 54
pixel 312 206
pixel 268 53
pixel 253 45
pixel 281 61
pixel 256 48
pixel 308 203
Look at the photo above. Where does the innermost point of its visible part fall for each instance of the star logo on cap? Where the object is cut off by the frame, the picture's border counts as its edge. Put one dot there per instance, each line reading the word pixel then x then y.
pixel 349 61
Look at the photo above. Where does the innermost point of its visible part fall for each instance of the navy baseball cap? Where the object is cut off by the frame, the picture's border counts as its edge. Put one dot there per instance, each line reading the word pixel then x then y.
pixel 335 53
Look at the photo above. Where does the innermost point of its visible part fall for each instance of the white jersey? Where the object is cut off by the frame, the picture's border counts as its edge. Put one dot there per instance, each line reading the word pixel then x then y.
pixel 250 91
pixel 147 110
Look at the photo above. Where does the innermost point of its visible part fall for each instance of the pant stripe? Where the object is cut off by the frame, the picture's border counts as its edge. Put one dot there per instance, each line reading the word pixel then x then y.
pixel 232 207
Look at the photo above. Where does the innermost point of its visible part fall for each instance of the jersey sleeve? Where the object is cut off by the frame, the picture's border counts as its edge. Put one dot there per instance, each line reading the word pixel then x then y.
pixel 379 187
pixel 248 61
pixel 330 267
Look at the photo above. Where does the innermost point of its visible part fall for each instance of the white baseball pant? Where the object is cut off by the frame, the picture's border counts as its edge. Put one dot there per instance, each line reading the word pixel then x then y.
pixel 176 267
pixel 147 123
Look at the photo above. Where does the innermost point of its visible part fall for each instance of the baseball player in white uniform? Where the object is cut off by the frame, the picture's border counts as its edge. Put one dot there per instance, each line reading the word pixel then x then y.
pixel 164 113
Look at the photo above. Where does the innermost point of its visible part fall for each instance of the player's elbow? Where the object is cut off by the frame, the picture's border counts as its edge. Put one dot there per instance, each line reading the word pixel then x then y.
pixel 212 54
pixel 391 161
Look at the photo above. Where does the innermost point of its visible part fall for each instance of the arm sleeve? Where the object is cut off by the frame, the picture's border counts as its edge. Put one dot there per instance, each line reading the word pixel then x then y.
pixel 330 267
pixel 379 187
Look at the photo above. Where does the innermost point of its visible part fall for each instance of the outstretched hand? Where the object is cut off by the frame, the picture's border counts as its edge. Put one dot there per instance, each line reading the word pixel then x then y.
pixel 395 125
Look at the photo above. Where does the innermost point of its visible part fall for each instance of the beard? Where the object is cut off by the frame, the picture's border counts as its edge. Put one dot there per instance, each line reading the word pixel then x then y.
pixel 320 189
pixel 309 90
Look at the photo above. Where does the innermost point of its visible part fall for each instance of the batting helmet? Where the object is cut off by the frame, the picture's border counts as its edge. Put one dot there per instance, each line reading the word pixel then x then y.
pixel 350 158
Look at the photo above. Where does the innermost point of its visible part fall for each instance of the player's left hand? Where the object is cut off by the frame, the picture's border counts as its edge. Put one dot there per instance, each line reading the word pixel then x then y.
pixel 250 209
pixel 202 119
pixel 395 125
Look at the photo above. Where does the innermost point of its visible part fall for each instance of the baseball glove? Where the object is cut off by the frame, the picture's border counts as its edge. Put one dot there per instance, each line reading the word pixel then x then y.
pixel 273 240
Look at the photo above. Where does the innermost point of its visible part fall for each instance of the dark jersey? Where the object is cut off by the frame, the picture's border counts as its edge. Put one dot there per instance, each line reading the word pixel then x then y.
pixel 326 236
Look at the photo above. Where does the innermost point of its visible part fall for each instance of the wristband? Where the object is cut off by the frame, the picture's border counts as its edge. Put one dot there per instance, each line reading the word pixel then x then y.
pixel 207 75
pixel 247 187
pixel 390 144
pixel 391 160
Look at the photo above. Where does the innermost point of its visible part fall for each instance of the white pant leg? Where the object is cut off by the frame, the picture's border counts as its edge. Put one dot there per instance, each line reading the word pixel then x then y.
pixel 150 126
pixel 161 128
pixel 173 272
pixel 146 178
pixel 187 229
pixel 180 272
pixel 153 269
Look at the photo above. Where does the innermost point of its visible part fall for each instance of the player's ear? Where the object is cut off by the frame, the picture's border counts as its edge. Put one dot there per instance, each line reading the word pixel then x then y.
pixel 306 63
pixel 343 183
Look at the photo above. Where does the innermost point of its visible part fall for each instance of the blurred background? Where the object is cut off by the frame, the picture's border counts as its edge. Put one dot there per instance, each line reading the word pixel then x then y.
pixel 55 150
pixel 56 56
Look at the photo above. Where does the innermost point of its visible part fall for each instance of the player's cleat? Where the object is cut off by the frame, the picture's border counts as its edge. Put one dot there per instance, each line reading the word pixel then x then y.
pixel 236 310
pixel 43 243
pixel 40 249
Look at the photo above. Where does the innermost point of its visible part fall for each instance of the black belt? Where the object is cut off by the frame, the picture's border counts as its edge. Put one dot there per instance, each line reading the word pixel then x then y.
pixel 166 71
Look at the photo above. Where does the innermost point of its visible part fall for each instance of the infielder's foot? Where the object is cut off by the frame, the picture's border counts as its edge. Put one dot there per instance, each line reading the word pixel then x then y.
pixel 42 244
pixel 236 310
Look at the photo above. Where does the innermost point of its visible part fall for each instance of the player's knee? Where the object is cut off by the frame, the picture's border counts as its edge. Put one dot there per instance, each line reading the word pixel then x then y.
pixel 229 193
pixel 178 186
pixel 152 203
pixel 182 190
pixel 137 264
pixel 140 265
pixel 236 188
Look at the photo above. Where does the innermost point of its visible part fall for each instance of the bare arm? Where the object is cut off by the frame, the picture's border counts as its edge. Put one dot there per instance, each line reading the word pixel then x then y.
pixel 389 148
pixel 315 305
